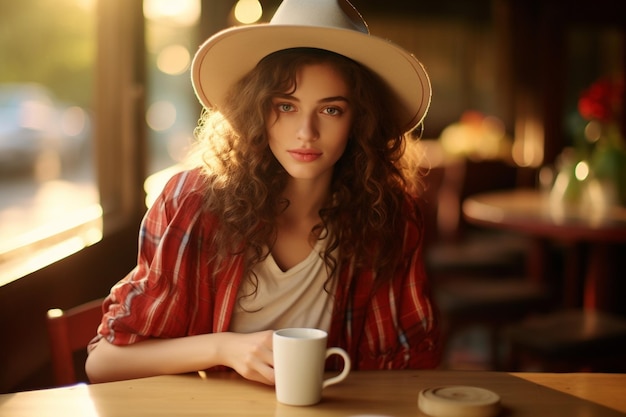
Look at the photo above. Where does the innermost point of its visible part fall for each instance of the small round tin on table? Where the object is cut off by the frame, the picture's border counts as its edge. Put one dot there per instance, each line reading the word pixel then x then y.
pixel 459 401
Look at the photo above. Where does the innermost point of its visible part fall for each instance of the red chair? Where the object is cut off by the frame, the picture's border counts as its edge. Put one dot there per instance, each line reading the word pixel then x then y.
pixel 70 331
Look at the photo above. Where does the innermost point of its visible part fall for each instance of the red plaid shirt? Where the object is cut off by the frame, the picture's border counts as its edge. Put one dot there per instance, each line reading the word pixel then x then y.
pixel 174 292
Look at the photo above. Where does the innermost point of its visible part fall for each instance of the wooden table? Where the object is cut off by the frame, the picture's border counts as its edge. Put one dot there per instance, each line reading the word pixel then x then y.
pixel 595 235
pixel 371 393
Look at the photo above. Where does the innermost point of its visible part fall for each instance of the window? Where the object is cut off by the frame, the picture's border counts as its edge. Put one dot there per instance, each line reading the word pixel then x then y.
pixel 171 107
pixel 80 71
pixel 173 34
pixel 49 202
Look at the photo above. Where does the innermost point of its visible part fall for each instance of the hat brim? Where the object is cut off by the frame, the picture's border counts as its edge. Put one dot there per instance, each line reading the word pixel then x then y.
pixel 227 56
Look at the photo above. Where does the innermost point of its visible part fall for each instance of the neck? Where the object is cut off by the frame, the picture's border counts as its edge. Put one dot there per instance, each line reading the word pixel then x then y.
pixel 306 198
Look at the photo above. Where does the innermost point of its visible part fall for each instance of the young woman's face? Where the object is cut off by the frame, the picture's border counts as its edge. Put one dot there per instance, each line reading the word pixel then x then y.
pixel 308 129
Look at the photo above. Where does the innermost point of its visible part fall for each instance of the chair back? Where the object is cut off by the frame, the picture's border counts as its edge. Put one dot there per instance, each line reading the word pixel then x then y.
pixel 69 331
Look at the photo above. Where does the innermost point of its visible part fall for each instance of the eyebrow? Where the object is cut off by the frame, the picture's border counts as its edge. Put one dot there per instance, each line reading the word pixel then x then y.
pixel 323 100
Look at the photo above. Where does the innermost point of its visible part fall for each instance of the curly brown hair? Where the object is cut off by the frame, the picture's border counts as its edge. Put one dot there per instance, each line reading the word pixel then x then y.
pixel 372 183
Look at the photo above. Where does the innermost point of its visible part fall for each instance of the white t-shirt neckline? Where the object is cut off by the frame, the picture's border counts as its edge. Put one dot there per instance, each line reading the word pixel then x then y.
pixel 291 298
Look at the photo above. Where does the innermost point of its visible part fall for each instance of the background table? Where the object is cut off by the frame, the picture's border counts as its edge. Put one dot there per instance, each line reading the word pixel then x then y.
pixel 372 393
pixel 594 237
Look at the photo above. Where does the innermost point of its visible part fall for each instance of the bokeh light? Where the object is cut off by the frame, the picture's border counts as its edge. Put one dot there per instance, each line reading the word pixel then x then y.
pixel 161 115
pixel 248 11
pixel 173 60
pixel 581 171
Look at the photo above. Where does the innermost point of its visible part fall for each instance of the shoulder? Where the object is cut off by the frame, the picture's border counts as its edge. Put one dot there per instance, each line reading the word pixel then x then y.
pixel 182 199
pixel 185 182
pixel 184 187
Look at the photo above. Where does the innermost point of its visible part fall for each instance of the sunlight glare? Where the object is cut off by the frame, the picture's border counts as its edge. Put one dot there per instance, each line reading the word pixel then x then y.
pixel 181 12
pixel 73 401
pixel 75 231
pixel 87 5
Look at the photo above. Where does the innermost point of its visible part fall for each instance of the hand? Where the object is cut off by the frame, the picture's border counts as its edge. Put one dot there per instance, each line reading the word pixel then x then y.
pixel 250 355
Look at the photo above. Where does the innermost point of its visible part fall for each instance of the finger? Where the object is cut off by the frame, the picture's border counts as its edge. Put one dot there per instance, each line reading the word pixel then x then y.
pixel 261 373
pixel 266 374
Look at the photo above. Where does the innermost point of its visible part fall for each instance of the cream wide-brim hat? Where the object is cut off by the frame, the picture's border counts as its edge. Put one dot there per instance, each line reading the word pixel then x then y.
pixel 333 25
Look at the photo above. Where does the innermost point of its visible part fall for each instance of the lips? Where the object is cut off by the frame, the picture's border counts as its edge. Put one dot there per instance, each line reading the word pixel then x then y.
pixel 304 155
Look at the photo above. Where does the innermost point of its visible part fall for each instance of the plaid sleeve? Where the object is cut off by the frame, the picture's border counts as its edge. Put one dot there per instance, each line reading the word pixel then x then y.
pixel 401 329
pixel 398 324
pixel 158 298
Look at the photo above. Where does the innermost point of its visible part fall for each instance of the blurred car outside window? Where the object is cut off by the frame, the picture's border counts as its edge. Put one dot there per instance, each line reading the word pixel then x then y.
pixel 49 198
pixel 49 202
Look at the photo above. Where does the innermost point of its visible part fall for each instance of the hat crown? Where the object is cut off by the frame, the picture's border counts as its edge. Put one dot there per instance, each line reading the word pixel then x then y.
pixel 338 14
pixel 332 25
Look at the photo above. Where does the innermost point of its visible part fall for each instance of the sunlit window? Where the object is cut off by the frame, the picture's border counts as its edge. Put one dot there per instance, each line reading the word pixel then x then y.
pixel 171 108
pixel 172 111
pixel 47 181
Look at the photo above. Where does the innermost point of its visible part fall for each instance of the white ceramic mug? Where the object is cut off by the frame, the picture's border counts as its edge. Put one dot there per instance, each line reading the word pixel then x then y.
pixel 299 358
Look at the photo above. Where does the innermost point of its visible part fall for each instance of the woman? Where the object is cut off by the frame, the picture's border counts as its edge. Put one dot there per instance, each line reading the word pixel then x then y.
pixel 299 211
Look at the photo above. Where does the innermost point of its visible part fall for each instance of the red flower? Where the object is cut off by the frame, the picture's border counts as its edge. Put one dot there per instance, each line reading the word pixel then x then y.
pixel 602 100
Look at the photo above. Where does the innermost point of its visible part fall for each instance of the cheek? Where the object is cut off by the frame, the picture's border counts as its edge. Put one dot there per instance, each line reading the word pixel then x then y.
pixel 339 145
pixel 270 123
pixel 271 133
pixel 271 144
pixel 344 136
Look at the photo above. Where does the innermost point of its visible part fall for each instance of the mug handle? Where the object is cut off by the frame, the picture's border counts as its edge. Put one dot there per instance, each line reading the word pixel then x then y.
pixel 346 366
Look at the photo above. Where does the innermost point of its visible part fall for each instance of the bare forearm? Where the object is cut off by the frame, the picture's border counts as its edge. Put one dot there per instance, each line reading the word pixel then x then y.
pixel 108 362
pixel 249 354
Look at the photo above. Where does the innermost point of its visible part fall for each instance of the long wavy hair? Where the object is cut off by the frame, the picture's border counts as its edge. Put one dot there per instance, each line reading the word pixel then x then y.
pixel 364 217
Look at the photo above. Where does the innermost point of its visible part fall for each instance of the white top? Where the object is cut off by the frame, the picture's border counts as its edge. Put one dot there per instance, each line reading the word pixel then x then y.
pixel 292 298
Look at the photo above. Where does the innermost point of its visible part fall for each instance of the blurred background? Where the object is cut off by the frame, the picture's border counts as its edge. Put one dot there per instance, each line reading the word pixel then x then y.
pixel 97 110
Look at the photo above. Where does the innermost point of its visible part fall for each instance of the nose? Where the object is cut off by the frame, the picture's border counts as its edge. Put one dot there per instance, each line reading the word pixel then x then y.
pixel 308 129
